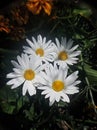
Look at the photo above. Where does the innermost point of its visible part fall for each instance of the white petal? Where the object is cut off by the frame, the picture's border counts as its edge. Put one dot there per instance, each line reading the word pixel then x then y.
pixel 75 53
pixel 16 65
pixel 61 63
pixel 28 86
pixel 47 95
pixel 31 44
pixel 51 98
pixel 57 97
pixel 49 58
pixel 76 82
pixel 52 102
pixel 29 50
pixel 12 75
pixel 45 77
pixel 40 80
pixel 65 72
pixel 73 48
pixel 42 87
pixel 21 62
pixel 31 90
pixel 71 78
pixel 69 44
pixel 65 98
pixel 49 43
pixel 49 50
pixel 39 38
pixel 71 61
pixel 35 62
pixel 74 58
pixel 44 40
pixel 44 92
pixel 13 81
pixel 25 58
pixel 18 71
pixel 57 42
pixel 63 41
pixel 72 91
pixel 18 82
pixel 34 41
pixel 71 87
pixel 61 74
pixel 24 90
pixel 39 68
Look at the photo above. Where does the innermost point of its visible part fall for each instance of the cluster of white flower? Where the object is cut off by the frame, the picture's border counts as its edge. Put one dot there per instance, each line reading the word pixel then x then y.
pixel 44 65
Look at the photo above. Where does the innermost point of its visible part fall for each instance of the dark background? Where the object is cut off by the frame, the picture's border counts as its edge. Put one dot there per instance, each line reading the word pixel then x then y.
pixel 4 3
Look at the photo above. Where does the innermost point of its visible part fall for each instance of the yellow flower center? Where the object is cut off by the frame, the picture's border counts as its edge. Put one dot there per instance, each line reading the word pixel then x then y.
pixel 58 85
pixel 29 74
pixel 40 51
pixel 63 55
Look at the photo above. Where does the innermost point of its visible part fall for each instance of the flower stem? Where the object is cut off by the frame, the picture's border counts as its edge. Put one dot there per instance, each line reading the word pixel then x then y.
pixel 91 95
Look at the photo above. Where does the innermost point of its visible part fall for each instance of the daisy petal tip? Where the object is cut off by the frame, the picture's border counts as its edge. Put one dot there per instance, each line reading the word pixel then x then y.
pixel 76 72
pixel 50 104
pixel 31 94
pixel 68 101
pixel 12 87
pixel 23 94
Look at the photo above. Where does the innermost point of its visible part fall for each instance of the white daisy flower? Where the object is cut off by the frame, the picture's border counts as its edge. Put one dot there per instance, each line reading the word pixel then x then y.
pixel 66 54
pixel 57 85
pixel 42 48
pixel 25 72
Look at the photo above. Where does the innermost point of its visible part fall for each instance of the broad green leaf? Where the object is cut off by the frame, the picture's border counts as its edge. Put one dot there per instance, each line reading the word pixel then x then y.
pixel 91 74
pixel 83 12
pixel 8 99
pixel 6 94
pixel 7 107
pixel 30 114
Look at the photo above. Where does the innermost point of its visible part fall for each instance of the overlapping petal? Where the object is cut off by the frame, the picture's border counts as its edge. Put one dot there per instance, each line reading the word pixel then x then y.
pixel 40 43
pixel 70 51
pixel 59 74
pixel 25 63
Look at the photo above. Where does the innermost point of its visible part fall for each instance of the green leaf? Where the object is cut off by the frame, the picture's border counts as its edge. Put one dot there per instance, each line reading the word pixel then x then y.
pixel 7 107
pixel 84 12
pixel 6 94
pixel 7 100
pixel 30 114
pixel 21 101
pixel 91 74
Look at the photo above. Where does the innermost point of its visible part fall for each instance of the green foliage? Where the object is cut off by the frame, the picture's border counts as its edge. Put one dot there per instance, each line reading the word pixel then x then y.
pixel 91 74
pixel 7 99
pixel 75 22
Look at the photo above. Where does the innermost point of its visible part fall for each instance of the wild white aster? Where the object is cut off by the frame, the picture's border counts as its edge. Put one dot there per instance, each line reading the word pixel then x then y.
pixel 42 48
pixel 25 72
pixel 57 85
pixel 65 53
